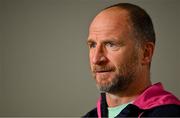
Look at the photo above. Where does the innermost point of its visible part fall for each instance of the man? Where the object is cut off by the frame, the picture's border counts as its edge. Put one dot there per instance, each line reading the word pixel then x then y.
pixel 121 44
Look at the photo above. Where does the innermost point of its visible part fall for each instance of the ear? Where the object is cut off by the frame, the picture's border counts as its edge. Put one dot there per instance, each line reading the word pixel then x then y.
pixel 148 50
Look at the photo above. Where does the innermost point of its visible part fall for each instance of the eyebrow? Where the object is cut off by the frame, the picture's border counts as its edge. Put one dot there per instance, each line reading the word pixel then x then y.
pixel 105 41
pixel 90 41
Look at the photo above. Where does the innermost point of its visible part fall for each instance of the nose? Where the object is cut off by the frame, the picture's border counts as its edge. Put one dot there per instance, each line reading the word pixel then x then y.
pixel 99 56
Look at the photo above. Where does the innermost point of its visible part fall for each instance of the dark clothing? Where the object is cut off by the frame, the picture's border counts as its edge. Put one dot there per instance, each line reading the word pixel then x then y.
pixel 153 102
pixel 133 111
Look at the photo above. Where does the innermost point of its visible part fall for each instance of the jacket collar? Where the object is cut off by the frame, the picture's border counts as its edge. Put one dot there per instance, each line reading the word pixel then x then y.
pixel 152 97
pixel 155 96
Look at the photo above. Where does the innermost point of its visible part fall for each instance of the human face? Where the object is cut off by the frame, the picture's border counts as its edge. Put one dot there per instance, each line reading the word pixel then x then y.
pixel 112 52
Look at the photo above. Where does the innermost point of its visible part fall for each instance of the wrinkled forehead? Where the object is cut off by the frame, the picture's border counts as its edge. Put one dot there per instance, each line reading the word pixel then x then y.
pixel 110 19
pixel 113 21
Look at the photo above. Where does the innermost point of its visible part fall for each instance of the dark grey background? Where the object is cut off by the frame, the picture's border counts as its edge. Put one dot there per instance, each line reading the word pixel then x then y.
pixel 44 68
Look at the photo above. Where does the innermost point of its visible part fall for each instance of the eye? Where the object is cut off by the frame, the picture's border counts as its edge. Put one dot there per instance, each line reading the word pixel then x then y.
pixel 112 46
pixel 91 45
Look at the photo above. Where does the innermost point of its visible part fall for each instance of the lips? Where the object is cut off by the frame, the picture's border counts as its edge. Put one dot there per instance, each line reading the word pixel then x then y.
pixel 103 74
pixel 103 71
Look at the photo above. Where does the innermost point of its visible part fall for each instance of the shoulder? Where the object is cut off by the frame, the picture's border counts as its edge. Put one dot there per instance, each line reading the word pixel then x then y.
pixel 92 113
pixel 170 110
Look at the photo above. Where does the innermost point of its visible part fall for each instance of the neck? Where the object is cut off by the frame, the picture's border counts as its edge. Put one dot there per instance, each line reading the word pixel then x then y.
pixel 128 95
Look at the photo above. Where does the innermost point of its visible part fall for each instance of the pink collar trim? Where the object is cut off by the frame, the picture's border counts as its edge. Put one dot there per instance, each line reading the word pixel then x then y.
pixel 99 107
pixel 155 96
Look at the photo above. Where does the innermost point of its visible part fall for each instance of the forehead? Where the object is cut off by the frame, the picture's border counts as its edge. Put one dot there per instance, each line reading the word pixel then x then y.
pixel 111 24
pixel 110 18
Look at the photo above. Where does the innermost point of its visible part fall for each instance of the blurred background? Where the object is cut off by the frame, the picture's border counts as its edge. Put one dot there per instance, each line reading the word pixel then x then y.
pixel 44 66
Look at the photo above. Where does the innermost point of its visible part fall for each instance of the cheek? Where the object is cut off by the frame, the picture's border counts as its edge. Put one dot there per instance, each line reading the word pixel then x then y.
pixel 90 57
pixel 116 58
pixel 119 59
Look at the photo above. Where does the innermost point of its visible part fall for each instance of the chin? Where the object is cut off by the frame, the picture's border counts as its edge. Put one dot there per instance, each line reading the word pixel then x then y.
pixel 103 81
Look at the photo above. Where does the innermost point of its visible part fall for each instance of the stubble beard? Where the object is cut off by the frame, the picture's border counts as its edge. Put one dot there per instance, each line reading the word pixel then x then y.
pixel 124 76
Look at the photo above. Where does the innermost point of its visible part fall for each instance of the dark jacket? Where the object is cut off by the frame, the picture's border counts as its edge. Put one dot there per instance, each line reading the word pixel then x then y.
pixel 153 102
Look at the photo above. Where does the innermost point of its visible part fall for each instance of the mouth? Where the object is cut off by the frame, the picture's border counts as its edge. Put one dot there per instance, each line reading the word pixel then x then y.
pixel 103 71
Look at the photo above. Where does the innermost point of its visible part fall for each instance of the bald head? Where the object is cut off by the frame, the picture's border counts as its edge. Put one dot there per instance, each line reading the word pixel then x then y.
pixel 113 21
pixel 112 16
pixel 134 18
